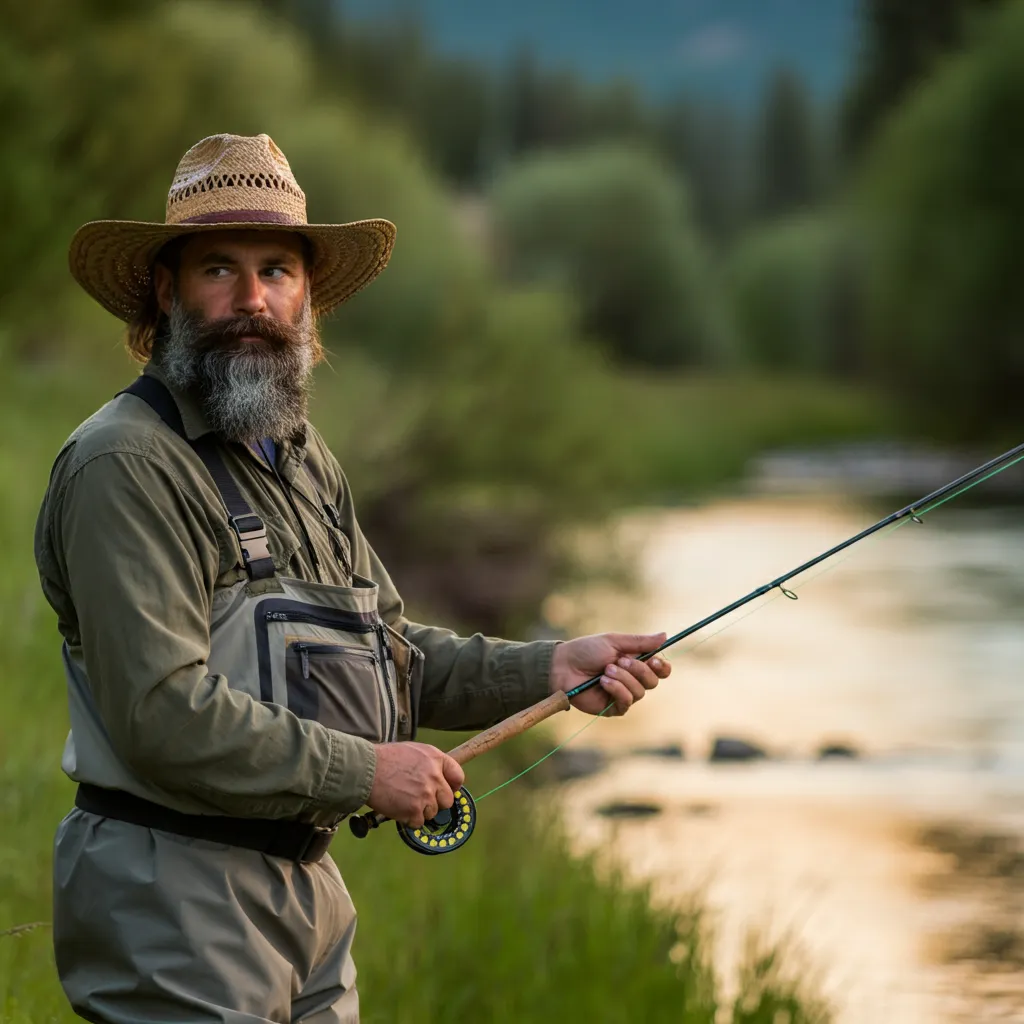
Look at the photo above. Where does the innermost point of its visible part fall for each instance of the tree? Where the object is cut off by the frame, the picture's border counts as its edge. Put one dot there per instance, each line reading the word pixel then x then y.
pixel 942 207
pixel 903 41
pixel 612 225
pixel 786 162
pixel 794 294
pixel 702 143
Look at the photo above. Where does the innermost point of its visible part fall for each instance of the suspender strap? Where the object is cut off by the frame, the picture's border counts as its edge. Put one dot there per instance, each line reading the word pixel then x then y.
pixel 248 527
pixel 159 399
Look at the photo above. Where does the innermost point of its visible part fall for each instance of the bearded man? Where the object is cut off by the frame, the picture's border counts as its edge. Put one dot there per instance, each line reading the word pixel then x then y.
pixel 241 675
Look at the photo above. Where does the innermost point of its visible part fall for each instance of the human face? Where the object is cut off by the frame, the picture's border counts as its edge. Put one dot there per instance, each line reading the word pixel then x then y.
pixel 227 274
pixel 240 334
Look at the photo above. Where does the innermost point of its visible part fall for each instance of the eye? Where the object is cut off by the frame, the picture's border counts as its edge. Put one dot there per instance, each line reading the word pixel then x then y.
pixel 217 272
pixel 275 273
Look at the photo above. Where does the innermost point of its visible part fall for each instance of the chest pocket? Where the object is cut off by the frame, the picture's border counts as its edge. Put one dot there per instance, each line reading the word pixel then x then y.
pixel 336 685
pixel 333 666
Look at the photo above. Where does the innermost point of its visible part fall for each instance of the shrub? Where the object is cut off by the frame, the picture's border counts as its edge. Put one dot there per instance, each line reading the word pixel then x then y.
pixel 613 227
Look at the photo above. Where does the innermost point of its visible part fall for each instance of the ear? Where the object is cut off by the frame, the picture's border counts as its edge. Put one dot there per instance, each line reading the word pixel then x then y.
pixel 163 286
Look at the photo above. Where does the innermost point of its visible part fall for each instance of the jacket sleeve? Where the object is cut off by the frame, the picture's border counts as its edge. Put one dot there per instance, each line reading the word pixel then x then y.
pixel 468 682
pixel 140 560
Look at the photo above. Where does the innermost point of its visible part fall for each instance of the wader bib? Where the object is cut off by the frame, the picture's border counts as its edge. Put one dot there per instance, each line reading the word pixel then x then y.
pixel 143 890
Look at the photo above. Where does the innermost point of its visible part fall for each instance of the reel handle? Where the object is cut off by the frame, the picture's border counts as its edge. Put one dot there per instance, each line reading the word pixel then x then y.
pixel 514 725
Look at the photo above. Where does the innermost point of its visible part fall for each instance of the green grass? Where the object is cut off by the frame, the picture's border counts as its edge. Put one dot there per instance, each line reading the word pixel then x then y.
pixel 511 928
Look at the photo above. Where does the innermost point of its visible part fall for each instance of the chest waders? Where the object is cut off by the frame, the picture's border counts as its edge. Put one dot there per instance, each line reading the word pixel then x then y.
pixel 320 650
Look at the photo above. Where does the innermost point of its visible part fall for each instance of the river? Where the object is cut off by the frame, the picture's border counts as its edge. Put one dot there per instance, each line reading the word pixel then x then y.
pixel 894 877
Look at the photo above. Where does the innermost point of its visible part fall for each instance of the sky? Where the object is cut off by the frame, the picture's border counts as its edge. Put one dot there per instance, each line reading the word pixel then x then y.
pixel 722 49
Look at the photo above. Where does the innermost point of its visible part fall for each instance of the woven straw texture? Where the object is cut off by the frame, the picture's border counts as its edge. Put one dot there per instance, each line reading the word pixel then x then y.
pixel 227 182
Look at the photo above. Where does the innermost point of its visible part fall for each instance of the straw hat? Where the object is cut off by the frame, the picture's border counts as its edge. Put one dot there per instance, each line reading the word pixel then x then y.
pixel 226 182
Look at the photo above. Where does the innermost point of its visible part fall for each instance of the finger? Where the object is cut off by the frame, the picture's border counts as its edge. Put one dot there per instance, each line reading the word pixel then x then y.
pixel 429 811
pixel 627 678
pixel 618 693
pixel 640 671
pixel 445 797
pixel 637 643
pixel 415 820
pixel 453 773
pixel 662 668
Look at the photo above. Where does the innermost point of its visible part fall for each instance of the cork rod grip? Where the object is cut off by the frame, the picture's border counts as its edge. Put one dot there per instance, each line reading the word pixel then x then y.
pixel 511 726
pixel 360 824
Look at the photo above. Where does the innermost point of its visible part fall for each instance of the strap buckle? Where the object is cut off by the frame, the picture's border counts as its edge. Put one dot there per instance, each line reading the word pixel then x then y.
pixel 252 537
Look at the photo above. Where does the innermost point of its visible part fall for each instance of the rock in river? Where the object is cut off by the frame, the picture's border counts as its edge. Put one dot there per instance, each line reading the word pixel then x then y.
pixel 726 748
pixel 576 764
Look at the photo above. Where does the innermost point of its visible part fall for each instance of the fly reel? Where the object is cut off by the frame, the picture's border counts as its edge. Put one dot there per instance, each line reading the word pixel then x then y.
pixel 449 829
pixel 446 831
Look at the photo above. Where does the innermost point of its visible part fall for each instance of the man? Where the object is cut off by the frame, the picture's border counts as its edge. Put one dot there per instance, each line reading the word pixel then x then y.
pixel 240 672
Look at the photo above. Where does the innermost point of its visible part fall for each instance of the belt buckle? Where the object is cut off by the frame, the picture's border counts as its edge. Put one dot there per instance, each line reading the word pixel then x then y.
pixel 319 840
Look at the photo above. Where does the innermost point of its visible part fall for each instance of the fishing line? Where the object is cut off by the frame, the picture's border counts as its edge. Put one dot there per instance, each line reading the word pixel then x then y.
pixel 913 515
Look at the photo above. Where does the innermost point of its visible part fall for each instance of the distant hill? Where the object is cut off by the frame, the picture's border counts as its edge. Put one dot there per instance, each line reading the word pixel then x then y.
pixel 720 49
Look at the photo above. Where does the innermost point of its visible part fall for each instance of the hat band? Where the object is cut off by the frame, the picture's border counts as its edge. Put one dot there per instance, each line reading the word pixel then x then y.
pixel 243 216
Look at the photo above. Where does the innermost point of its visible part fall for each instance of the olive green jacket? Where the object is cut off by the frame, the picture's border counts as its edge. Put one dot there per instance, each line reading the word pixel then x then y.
pixel 132 541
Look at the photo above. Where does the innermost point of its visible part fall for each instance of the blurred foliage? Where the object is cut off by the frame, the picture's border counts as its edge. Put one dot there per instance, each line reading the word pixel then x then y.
pixel 504 439
pixel 614 228
pixel 795 292
pixel 473 120
pixel 942 209
pixel 705 144
pixel 903 42
pixel 788 163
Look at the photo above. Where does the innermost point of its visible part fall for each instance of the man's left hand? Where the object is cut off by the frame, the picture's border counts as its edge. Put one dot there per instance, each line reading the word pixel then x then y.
pixel 613 656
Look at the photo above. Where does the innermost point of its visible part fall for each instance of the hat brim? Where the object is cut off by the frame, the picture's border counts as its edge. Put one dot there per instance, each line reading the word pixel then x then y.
pixel 112 259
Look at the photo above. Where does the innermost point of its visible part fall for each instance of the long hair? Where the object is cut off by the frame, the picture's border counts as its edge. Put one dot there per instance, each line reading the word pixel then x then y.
pixel 144 327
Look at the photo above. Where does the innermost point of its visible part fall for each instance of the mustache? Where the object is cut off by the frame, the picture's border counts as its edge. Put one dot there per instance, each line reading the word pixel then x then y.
pixel 227 332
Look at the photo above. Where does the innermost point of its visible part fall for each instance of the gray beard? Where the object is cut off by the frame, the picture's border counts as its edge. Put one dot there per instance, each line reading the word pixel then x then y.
pixel 248 391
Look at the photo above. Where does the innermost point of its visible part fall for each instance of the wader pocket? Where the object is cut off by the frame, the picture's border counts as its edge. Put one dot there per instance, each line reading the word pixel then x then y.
pixel 337 686
pixel 333 666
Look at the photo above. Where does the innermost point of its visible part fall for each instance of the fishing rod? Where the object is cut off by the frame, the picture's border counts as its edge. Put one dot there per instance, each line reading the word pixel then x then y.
pixel 451 828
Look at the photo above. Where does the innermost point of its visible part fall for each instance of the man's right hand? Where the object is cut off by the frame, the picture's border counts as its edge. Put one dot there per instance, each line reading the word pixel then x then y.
pixel 413 781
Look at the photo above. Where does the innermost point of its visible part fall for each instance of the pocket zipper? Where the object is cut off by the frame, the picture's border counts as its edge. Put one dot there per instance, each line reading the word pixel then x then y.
pixel 330 621
pixel 305 650
pixel 389 656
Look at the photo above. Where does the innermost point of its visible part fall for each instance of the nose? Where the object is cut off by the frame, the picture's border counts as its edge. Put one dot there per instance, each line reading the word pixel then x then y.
pixel 250 296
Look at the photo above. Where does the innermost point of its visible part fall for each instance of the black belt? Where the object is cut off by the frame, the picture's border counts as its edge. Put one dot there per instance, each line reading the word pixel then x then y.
pixel 293 840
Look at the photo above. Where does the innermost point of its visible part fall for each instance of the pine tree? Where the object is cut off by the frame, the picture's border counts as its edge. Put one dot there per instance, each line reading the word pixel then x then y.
pixel 785 174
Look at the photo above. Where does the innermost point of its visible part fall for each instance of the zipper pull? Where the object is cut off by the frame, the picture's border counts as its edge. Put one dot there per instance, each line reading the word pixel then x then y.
pixel 304 659
pixel 385 642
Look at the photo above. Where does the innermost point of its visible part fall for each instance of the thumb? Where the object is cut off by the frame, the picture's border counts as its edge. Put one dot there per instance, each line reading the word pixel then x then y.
pixel 453 773
pixel 637 643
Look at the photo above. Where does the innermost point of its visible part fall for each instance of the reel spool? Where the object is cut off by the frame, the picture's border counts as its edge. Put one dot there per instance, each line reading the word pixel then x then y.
pixel 447 831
